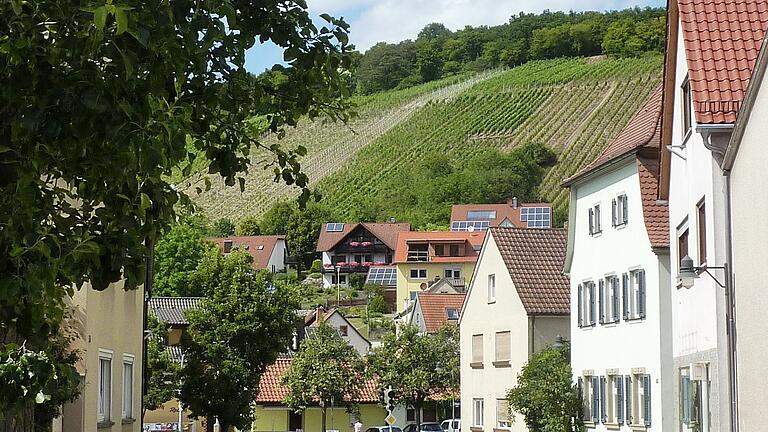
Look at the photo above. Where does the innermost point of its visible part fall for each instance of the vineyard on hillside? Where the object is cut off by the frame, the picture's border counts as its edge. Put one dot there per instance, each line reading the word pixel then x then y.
pixel 574 106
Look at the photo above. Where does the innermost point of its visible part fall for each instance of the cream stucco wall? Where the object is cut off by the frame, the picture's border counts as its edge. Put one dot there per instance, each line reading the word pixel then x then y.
pixel 406 285
pixel 482 318
pixel 275 419
pixel 111 324
pixel 749 208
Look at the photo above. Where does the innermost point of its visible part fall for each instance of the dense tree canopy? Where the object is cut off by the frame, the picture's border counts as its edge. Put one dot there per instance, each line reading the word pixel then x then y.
pixel 100 101
pixel 177 255
pixel 161 370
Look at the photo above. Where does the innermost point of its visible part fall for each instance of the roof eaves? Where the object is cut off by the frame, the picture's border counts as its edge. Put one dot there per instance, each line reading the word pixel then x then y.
pixel 600 169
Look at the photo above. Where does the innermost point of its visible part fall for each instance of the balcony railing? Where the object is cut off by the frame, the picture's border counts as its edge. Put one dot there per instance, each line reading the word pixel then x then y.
pixel 418 255
pixel 349 267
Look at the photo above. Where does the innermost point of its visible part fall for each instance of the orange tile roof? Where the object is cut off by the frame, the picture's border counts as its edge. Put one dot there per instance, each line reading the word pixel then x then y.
pixel 273 392
pixel 259 247
pixel 473 239
pixel 434 307
pixel 503 211
pixel 534 259
pixel 655 213
pixel 386 232
pixel 642 130
pixel 722 39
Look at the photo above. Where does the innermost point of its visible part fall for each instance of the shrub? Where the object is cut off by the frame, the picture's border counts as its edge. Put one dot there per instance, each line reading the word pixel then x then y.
pixel 378 305
pixel 357 280
pixel 316 267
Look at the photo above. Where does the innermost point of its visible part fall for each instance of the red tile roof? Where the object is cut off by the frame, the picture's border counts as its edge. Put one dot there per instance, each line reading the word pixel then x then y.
pixel 434 309
pixel 656 214
pixel 643 130
pixel 386 232
pixel 273 392
pixel 534 259
pixel 259 247
pixel 722 39
pixel 503 211
pixel 471 240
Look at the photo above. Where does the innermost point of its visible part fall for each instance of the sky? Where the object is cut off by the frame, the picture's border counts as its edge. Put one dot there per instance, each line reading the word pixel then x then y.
pixel 373 21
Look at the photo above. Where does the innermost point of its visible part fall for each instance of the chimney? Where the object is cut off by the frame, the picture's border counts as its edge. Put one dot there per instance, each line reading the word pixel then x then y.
pixel 514 202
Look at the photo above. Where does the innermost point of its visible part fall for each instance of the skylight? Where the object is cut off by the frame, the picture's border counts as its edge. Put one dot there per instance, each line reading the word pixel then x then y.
pixel 536 217
pixel 334 227
pixel 452 313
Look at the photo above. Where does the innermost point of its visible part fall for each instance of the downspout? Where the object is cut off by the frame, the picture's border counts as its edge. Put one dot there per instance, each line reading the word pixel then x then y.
pixel 730 311
pixel 530 336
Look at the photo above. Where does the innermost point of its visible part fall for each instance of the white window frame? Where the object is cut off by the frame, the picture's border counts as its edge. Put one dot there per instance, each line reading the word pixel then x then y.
pixel 128 359
pixel 595 216
pixel 588 304
pixel 454 271
pixel 620 210
pixel 418 273
pixel 610 304
pixel 491 288
pixel 478 407
pixel 506 422
pixel 635 297
pixel 586 397
pixel 104 407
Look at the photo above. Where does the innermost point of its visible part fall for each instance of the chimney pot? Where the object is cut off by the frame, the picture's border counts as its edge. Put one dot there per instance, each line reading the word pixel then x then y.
pixel 514 202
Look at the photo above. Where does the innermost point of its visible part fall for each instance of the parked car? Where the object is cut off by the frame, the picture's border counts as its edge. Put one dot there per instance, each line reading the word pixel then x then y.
pixel 425 427
pixel 383 429
pixel 451 425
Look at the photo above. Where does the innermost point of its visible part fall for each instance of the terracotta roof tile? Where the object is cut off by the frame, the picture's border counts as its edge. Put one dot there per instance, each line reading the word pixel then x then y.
pixel 386 232
pixel 434 309
pixel 643 130
pixel 722 39
pixel 472 240
pixel 273 392
pixel 503 211
pixel 534 259
pixel 172 309
pixel 258 247
pixel 656 215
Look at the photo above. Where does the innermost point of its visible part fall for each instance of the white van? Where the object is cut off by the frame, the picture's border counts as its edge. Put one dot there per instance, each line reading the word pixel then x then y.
pixel 451 425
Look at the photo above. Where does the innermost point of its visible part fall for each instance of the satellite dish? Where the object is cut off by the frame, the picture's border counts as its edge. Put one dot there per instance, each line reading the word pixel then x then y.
pixel 471 228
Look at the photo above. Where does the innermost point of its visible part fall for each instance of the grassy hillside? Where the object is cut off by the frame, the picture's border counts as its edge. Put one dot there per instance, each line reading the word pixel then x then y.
pixel 574 106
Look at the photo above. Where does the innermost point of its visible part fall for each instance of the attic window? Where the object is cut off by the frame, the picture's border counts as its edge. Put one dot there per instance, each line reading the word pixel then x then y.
pixel 227 246
pixel 261 247
pixel 452 313
pixel 334 227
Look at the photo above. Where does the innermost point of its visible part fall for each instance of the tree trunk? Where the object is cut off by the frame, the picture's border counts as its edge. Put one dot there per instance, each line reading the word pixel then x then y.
pixel 417 409
pixel 323 421
pixel 22 420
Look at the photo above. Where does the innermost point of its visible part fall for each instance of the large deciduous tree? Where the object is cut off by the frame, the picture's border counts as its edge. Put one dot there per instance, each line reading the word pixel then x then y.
pixel 177 255
pixel 100 101
pixel 326 371
pixel 418 366
pixel 545 394
pixel 242 325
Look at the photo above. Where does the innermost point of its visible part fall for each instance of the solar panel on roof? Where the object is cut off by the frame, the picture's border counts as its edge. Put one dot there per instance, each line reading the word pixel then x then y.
pixel 334 227
pixel 469 225
pixel 382 276
pixel 536 217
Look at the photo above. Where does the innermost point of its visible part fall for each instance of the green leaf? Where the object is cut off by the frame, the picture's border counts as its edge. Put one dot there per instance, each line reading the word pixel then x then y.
pixel 145 201
pixel 100 18
pixel 16 5
pixel 122 21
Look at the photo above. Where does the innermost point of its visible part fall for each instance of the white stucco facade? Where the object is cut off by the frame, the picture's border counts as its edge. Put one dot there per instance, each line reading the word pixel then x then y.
pixel 277 259
pixel 349 333
pixel 344 274
pixel 489 380
pixel 698 314
pixel 749 211
pixel 621 344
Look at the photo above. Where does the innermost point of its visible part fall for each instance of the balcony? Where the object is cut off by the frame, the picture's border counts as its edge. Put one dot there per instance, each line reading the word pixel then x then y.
pixel 418 255
pixel 350 267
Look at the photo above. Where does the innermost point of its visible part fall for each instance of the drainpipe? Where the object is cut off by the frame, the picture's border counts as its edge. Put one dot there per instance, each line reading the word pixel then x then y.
pixel 730 304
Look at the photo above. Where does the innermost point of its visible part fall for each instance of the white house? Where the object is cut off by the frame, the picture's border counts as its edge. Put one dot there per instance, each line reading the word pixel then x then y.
pixel 269 252
pixel 744 164
pixel 709 60
pixel 517 304
pixel 618 263
pixel 335 319
pixel 433 311
pixel 355 248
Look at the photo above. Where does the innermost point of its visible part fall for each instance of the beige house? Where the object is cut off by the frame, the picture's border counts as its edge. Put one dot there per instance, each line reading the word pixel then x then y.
pixel 110 325
pixel 744 165
pixel 517 304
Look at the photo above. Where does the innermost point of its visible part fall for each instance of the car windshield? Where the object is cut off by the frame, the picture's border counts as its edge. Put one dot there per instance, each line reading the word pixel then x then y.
pixel 431 427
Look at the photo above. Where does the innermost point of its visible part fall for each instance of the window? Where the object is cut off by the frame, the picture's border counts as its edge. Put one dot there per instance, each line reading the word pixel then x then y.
pixel 336 259
pixel 452 273
pixel 452 313
pixel 477 350
pixel 334 227
pixel 682 244
pixel 105 386
pixel 502 414
pixel 341 280
pixel 503 348
pixel 620 210
pixel 491 288
pixel 608 293
pixel 128 386
pixel 595 399
pixel 586 386
pixel 440 250
pixel 594 220
pixel 481 215
pixel 615 401
pixel 412 295
pixel 536 217
pixel 477 412
pixel 638 406
pixel 686 101
pixel 418 273
pixel 343 330
pixel 586 304
pixel 418 252
pixel 454 250
pixel 410 415
pixel 633 290
pixel 701 219
pixel 694 412
pixel 227 246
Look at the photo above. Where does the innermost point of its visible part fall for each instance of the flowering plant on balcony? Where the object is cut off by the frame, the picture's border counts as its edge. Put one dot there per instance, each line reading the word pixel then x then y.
pixel 366 244
pixel 354 244
pixel 354 264
pixel 379 263
pixel 367 264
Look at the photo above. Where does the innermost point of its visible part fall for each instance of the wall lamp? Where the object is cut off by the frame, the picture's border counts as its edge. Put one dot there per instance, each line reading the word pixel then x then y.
pixel 689 273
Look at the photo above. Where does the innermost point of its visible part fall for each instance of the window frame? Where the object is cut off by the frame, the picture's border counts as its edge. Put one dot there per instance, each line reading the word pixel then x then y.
pixel 128 408
pixel 454 271
pixel 491 288
pixel 477 348
pixel 507 423
pixel 478 408
pixel 595 217
pixel 588 304
pixel 418 273
pixel 502 361
pixel 104 407
pixel 635 301
pixel 620 210
pixel 610 299
pixel 701 232
pixel 687 109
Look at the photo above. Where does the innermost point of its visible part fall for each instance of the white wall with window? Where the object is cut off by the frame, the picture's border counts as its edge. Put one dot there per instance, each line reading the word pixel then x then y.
pixel 620 310
pixel 105 386
pixel 128 379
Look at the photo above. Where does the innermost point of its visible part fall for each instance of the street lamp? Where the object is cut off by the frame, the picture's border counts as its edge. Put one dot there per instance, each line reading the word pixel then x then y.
pixel 337 267
pixel 689 273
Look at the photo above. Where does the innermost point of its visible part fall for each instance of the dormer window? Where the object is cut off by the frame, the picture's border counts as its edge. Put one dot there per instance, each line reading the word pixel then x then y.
pixel 452 313
pixel 227 246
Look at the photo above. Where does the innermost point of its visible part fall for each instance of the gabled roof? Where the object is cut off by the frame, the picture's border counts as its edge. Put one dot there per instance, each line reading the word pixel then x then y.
pixel 472 240
pixel 446 286
pixel 534 259
pixel 259 247
pixel 722 39
pixel 642 131
pixel 503 211
pixel 386 232
pixel 311 320
pixel 273 392
pixel 172 309
pixel 434 309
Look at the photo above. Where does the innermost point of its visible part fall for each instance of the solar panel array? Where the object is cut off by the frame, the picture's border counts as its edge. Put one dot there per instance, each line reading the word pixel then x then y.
pixel 334 227
pixel 536 217
pixel 465 225
pixel 382 276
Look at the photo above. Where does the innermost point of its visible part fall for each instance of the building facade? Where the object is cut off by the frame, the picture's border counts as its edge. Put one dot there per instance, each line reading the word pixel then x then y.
pixel 516 305
pixel 269 252
pixel 618 263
